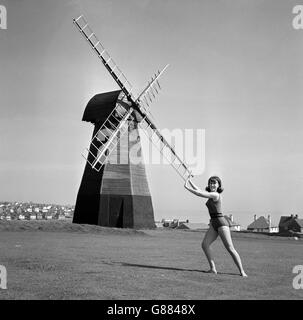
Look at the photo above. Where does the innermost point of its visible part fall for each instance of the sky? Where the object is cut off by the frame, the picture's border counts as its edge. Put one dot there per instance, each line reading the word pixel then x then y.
pixel 235 71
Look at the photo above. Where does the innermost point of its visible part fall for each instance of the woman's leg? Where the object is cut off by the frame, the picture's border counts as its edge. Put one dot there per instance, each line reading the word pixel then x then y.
pixel 210 236
pixel 225 235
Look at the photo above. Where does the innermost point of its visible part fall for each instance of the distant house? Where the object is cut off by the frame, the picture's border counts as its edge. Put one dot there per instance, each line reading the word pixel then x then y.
pixel 234 226
pixel 69 214
pixel 39 216
pixel 168 223
pixel 49 217
pixel 172 223
pixel 8 217
pixel 262 225
pixel 33 216
pixel 21 216
pixel 61 216
pixel 291 223
pixel 158 224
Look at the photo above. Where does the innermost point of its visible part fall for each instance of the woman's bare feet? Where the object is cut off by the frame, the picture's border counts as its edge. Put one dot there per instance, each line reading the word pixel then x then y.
pixel 243 274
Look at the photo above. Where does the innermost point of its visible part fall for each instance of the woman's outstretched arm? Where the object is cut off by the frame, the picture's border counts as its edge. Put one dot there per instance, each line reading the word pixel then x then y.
pixel 190 186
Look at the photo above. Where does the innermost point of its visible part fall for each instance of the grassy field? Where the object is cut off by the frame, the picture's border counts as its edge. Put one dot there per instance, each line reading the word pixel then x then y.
pixel 61 260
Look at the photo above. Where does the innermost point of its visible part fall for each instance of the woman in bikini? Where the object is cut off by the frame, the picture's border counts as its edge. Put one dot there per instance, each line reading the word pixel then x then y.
pixel 218 224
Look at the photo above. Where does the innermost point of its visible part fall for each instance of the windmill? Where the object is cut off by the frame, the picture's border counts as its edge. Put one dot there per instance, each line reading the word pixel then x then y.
pixel 116 193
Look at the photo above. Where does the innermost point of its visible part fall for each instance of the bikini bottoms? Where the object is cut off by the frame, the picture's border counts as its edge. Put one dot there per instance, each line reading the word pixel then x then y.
pixel 218 222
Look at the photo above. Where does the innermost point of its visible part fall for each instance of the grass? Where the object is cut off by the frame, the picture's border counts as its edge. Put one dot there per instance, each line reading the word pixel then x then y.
pixel 61 260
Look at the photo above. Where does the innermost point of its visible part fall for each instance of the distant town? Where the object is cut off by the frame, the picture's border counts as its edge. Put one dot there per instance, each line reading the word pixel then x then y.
pixel 288 225
pixel 34 211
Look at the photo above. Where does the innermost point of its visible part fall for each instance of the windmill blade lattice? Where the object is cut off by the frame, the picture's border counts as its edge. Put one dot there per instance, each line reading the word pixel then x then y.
pixel 153 133
pixel 148 94
pixel 166 150
pixel 107 137
pixel 106 59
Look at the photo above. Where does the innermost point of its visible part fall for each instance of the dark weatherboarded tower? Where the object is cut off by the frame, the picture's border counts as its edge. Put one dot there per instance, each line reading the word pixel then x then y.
pixel 118 194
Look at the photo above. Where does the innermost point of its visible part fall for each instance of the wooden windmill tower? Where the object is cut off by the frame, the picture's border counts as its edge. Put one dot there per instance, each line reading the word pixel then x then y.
pixel 114 190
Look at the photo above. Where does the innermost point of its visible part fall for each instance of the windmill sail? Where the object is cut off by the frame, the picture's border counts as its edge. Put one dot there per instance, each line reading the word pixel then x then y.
pixel 106 59
pixel 166 149
pixel 151 89
pixel 107 137
pixel 97 157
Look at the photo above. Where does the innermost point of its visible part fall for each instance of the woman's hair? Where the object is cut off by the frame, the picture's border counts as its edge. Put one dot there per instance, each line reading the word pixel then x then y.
pixel 220 188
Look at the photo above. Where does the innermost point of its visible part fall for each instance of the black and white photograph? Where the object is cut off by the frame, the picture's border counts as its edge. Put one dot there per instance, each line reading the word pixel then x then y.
pixel 151 150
